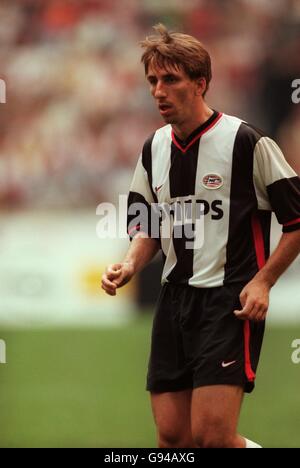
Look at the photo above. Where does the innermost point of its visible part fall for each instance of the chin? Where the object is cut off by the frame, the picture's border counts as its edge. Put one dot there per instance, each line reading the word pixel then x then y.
pixel 169 120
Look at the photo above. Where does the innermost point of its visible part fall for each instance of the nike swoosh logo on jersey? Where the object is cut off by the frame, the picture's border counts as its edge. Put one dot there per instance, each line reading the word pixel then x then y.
pixel 227 364
pixel 158 188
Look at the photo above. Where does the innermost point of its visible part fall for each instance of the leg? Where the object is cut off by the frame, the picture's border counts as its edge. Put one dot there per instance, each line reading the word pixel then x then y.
pixel 172 415
pixel 215 414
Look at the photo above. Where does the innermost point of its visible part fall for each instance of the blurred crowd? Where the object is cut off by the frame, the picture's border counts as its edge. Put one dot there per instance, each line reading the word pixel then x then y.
pixel 78 109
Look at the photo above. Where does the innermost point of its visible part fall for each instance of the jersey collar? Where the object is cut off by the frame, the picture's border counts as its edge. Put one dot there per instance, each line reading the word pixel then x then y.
pixel 184 145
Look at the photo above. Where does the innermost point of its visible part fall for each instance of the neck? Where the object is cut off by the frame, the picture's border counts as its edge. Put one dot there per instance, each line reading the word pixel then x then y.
pixel 184 129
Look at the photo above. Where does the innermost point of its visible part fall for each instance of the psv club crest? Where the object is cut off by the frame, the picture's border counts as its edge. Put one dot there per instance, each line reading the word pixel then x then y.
pixel 212 181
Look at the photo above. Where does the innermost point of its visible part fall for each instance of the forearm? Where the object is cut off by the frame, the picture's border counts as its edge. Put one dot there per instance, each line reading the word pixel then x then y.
pixel 141 251
pixel 285 253
pixel 255 295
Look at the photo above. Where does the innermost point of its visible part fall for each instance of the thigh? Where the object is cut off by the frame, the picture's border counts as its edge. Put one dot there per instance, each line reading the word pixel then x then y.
pixel 223 350
pixel 215 412
pixel 172 415
pixel 168 369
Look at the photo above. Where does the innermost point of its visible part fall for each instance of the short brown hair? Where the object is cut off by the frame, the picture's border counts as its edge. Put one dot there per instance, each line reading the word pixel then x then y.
pixel 180 50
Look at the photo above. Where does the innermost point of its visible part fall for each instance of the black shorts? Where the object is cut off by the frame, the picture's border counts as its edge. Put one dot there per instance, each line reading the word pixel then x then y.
pixel 197 340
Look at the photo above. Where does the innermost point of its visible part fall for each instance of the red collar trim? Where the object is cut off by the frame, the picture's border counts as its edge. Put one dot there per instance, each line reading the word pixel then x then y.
pixel 184 150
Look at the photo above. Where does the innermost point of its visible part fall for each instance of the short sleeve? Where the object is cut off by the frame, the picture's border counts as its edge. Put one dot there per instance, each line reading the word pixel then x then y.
pixel 277 184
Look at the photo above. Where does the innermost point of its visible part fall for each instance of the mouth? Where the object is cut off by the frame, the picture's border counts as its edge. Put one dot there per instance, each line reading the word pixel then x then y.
pixel 165 109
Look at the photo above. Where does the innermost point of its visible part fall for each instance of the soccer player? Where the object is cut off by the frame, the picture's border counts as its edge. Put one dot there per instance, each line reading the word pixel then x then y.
pixel 209 324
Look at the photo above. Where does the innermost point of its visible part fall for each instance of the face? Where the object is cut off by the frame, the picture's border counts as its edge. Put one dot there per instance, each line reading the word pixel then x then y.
pixel 175 93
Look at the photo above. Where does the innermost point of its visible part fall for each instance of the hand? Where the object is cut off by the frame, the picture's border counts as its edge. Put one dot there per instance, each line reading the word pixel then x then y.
pixel 255 299
pixel 116 276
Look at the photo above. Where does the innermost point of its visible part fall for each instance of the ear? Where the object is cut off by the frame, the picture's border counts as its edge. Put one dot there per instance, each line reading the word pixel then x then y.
pixel 200 86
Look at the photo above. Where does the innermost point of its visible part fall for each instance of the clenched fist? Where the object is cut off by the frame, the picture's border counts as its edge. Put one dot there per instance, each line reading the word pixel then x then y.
pixel 116 276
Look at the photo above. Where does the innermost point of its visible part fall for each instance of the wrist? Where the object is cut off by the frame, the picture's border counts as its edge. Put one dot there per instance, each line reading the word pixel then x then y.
pixel 266 278
pixel 130 265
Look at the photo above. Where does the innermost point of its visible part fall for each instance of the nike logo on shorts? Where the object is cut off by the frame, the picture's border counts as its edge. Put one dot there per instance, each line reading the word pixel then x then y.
pixel 227 364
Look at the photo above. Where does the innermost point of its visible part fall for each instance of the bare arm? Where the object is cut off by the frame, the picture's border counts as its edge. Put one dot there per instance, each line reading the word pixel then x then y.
pixel 140 253
pixel 255 295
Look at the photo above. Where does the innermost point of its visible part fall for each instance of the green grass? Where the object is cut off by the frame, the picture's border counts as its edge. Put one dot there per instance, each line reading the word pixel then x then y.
pixel 271 415
pixel 85 388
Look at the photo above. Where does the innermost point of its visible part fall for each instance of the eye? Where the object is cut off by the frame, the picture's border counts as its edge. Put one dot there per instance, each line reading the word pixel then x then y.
pixel 152 81
pixel 170 79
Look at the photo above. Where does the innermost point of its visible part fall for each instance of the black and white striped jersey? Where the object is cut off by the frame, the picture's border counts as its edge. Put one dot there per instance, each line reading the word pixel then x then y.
pixel 236 176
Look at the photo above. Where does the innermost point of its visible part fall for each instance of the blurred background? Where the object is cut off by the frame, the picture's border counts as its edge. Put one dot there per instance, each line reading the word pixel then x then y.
pixel 77 113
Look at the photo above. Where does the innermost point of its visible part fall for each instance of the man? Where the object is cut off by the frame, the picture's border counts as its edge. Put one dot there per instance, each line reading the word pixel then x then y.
pixel 209 323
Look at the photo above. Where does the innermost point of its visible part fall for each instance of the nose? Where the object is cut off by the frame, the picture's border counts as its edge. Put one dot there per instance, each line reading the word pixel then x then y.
pixel 159 90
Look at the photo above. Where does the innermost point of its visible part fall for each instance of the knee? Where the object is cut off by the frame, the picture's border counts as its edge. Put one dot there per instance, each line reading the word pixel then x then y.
pixel 212 435
pixel 169 437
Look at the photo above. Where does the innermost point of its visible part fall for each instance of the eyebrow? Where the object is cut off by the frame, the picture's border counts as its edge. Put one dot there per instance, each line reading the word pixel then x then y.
pixel 168 73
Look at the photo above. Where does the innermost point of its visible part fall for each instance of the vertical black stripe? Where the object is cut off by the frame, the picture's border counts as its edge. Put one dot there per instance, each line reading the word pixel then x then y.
pixel 265 218
pixel 182 175
pixel 183 171
pixel 183 270
pixel 147 162
pixel 241 263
